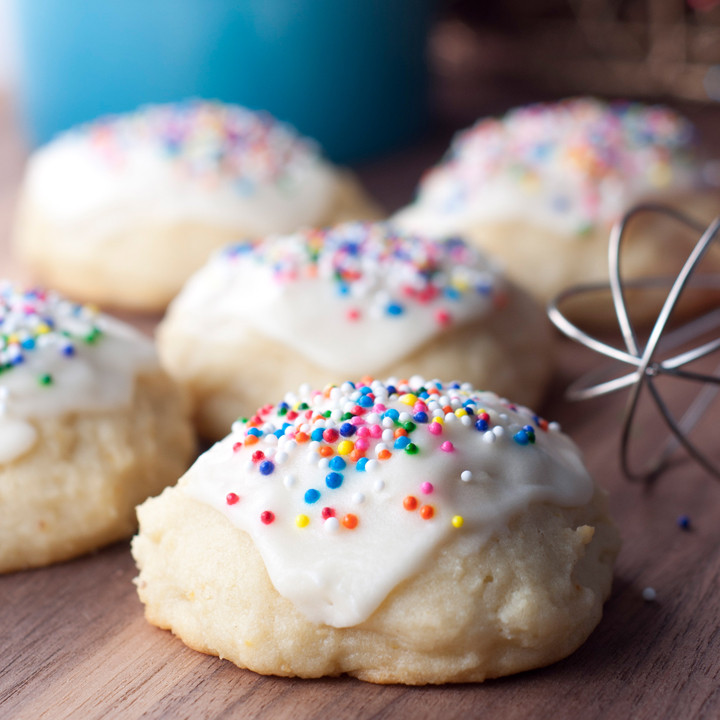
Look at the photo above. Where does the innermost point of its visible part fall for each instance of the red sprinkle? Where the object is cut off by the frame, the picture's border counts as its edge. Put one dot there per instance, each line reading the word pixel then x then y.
pixel 232 498
pixel 330 435
pixel 257 456
pixel 327 512
pixel 237 446
pixel 267 517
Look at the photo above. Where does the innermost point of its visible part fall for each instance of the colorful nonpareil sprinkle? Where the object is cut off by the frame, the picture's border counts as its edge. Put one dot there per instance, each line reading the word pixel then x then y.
pixel 579 153
pixel 205 140
pixel 312 428
pixel 379 272
pixel 38 323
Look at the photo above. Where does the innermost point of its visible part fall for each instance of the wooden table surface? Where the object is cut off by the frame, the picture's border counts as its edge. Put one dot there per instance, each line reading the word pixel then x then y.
pixel 75 644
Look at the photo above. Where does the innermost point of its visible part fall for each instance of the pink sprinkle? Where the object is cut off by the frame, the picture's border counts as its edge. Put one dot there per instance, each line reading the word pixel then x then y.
pixel 379 408
pixel 443 318
pixel 362 443
pixel 376 431
pixel 419 406
pixel 353 314
pixel 357 421
pixel 435 428
pixel 363 432
pixel 427 487
pixel 447 446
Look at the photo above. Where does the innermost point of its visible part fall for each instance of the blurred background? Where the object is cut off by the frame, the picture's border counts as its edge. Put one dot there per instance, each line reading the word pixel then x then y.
pixel 375 81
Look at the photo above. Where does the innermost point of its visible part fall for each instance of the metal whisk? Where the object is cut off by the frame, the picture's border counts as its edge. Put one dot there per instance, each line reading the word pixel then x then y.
pixel 643 359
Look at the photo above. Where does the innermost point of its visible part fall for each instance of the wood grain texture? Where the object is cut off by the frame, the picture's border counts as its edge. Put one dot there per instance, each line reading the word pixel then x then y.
pixel 75 644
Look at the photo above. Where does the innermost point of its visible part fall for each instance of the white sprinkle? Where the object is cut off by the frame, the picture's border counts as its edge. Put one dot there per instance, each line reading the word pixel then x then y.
pixel 388 422
pixel 416 381
pixel 489 436
pixel 312 457
pixel 289 481
pixel 466 476
pixel 358 498
pixel 323 463
pixel 388 436
pixel 450 418
pixel 649 594
pixel 379 485
pixel 554 426
pixel 236 426
pixel 347 387
pixel 466 420
pixel 331 525
pixel 314 445
pixel 290 445
pixel 270 440
pixel 372 419
pixel 281 457
pixel 499 431
pixel 249 465
pixel 371 465
pixel 335 394
pixel 305 389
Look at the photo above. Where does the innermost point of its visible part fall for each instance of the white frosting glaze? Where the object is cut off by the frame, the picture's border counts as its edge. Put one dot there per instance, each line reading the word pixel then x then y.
pixel 200 161
pixel 323 293
pixel 339 574
pixel 565 167
pixel 58 357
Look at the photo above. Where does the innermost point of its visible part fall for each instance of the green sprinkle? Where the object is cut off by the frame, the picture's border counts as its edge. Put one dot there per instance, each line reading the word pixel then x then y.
pixel 45 379
pixel 412 449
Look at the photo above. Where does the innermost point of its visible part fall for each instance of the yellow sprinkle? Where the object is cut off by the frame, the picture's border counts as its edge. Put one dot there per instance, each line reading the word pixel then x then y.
pixel 408 399
pixel 460 412
pixel 42 328
pixel 345 447
pixel 439 419
pixel 457 521
pixel 460 284
pixel 302 520
pixel 12 339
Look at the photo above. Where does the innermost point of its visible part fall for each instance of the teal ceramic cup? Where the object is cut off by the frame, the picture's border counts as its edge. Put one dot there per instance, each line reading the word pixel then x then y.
pixel 350 73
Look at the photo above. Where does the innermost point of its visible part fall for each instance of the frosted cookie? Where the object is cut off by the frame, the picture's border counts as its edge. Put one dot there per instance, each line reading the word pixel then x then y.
pixel 321 306
pixel 122 210
pixel 413 533
pixel 89 427
pixel 540 189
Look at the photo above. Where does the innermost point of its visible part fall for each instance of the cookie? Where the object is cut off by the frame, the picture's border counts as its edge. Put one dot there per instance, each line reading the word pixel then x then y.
pixel 89 427
pixel 321 306
pixel 411 532
pixel 122 210
pixel 540 189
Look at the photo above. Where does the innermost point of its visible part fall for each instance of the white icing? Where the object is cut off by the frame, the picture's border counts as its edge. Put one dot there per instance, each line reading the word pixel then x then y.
pixel 41 379
pixel 308 311
pixel 111 174
pixel 340 576
pixel 563 167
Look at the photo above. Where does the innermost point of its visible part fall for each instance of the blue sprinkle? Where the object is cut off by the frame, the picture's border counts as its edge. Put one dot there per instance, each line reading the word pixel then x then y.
pixel 365 390
pixel 343 289
pixel 283 406
pixel 361 463
pixel 451 293
pixel 28 343
pixel 17 360
pixel 255 431
pixel 317 434
pixel 420 417
pixel 365 402
pixel 402 442
pixel 394 309
pixel 266 467
pixel 684 522
pixel 337 463
pixel 392 413
pixel 521 437
pixel 347 429
pixel 392 390
pixel 334 480
pixel 312 496
pixel 279 433
pixel 68 350
pixel 455 386
pixel 481 425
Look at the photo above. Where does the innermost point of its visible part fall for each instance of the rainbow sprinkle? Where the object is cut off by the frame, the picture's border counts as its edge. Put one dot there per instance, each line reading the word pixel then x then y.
pixel 33 322
pixel 206 141
pixel 588 144
pixel 351 429
pixel 377 270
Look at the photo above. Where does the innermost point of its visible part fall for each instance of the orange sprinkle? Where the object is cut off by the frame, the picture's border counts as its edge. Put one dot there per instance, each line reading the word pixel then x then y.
pixel 384 454
pixel 426 512
pixel 356 455
pixel 410 503
pixel 325 451
pixel 400 431
pixel 251 439
pixel 301 437
pixel 350 521
pixel 366 380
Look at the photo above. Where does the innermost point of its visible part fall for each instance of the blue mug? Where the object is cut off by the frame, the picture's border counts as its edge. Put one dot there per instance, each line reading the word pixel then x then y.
pixel 350 73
